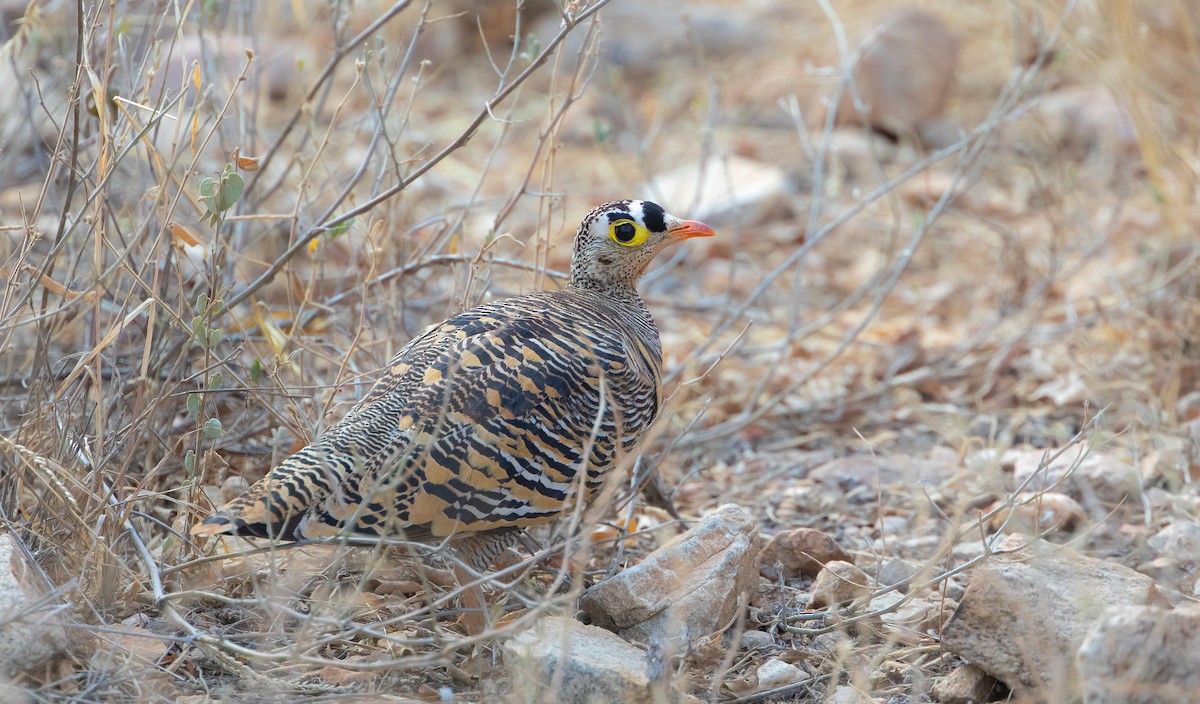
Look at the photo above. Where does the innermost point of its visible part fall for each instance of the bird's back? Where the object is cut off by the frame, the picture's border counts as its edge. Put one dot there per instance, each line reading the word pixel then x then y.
pixel 480 424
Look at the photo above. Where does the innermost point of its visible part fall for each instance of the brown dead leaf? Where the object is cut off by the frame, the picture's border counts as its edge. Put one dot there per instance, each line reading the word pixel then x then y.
pixel 510 618
pixel 182 235
pixel 741 686
pixel 58 289
pixel 340 676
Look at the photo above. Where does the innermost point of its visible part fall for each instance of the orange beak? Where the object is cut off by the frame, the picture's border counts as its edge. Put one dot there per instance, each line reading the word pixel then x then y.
pixel 688 229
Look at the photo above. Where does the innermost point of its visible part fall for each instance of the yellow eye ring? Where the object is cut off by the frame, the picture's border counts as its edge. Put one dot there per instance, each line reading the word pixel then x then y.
pixel 628 233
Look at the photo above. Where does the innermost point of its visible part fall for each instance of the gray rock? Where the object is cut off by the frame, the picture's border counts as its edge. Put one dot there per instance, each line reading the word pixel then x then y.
pixel 834 646
pixel 895 571
pixel 685 590
pixel 30 630
pixel 733 188
pixel 777 673
pixel 839 583
pixel 939 133
pixel 1142 655
pixel 904 73
pixel 1168 573
pixel 1179 541
pixel 965 685
pixel 1027 610
pixel 584 664
pixel 678 28
pixel 872 471
pixel 848 695
pixel 752 640
pixel 13 694
pixel 1038 470
pixel 1040 512
pixel 800 552
pixel 1107 478
pixel 888 601
pixel 910 621
pixel 970 548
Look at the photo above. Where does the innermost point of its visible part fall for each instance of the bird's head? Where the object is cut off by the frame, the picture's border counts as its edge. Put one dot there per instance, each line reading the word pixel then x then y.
pixel 616 242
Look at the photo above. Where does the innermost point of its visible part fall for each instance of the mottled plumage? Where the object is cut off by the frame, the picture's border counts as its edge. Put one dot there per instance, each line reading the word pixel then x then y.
pixel 480 426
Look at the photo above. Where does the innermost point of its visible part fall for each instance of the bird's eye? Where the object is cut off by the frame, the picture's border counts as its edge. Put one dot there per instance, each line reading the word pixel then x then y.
pixel 628 233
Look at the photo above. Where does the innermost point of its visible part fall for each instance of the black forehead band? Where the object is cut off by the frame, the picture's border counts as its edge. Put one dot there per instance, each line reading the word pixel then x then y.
pixel 655 217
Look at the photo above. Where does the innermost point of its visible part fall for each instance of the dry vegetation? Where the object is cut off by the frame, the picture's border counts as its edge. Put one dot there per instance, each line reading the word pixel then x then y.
pixel 1034 283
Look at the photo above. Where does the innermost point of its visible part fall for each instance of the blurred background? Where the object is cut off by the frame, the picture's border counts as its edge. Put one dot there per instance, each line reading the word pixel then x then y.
pixel 949 232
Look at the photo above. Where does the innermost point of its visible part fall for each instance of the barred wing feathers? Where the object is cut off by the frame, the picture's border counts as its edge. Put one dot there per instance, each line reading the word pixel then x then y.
pixel 478 425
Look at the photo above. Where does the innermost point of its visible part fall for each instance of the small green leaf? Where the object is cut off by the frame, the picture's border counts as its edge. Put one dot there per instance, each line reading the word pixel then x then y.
pixel 339 229
pixel 193 403
pixel 199 329
pixel 212 429
pixel 533 48
pixel 256 370
pixel 215 381
pixel 232 186
pixel 214 337
pixel 189 461
pixel 220 194
pixel 600 130
pixel 201 303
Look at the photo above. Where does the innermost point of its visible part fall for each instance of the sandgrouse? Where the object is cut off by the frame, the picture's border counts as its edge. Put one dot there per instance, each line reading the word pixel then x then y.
pixel 479 426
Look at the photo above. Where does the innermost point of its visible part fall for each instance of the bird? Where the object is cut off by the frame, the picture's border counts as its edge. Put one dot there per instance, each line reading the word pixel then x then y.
pixel 479 427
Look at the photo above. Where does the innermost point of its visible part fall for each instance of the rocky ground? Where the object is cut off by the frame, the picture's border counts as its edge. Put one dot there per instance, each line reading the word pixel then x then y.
pixel 933 425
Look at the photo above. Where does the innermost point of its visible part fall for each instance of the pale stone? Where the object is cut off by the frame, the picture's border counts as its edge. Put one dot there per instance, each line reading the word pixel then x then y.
pixel 1107 478
pixel 848 695
pixel 1179 541
pixel 1029 607
pixel 895 571
pixel 1142 655
pixel 585 664
pixel 872 471
pixel 904 73
pixel 910 621
pixel 752 640
pixel 839 583
pixel 965 685
pixel 776 673
pixel 30 630
pixel 731 187
pixel 1036 513
pixel 801 552
pixel 688 588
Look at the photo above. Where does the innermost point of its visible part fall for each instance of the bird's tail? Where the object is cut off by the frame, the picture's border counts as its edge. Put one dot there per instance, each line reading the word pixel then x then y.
pixel 275 506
